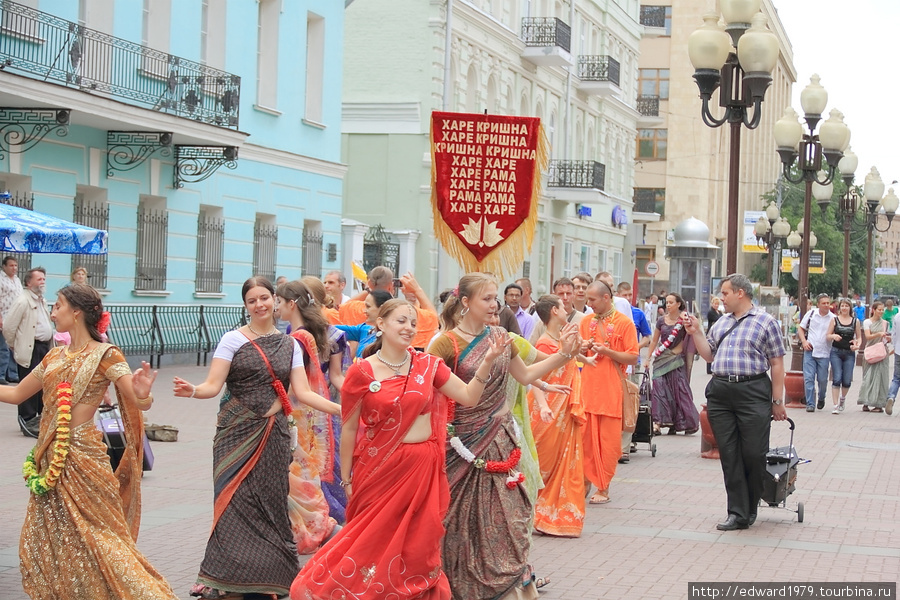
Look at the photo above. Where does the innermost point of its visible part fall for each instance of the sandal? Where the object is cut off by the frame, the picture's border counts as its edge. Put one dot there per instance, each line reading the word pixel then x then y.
pixel 876 409
pixel 599 498
pixel 866 408
pixel 541 582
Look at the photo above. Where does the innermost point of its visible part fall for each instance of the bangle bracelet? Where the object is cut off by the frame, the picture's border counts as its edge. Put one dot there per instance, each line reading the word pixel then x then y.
pixel 347 482
pixel 193 391
pixel 543 385
pixel 565 355
pixel 482 380
pixel 149 398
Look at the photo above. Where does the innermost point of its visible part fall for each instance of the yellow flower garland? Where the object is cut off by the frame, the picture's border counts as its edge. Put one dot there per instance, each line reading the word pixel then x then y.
pixel 41 484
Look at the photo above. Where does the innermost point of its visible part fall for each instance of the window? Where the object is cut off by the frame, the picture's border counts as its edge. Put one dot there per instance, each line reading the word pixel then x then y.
pixel 657 16
pixel 17 21
pixel 601 260
pixel 315 67
pixel 654 82
pixel 212 33
pixel 584 262
pixel 91 209
pixel 152 230
pixel 617 265
pixel 567 259
pixel 265 243
pixel 267 54
pixel 650 200
pixel 210 248
pixel 643 255
pixel 651 143
pixel 312 249
pixel 155 37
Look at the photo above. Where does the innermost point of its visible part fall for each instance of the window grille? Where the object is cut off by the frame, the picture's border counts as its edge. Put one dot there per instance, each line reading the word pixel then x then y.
pixel 92 213
pixel 210 246
pixel 265 243
pixel 152 233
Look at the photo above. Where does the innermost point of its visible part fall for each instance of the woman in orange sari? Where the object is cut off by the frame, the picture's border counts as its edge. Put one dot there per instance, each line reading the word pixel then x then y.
pixel 558 421
pixel 314 453
pixel 394 474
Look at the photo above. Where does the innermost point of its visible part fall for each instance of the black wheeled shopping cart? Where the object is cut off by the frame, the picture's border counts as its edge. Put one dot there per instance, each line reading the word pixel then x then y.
pixel 643 428
pixel 781 475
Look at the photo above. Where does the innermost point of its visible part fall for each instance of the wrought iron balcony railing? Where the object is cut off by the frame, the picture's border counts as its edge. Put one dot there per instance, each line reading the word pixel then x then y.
pixel 653 16
pixel 587 174
pixel 49 48
pixel 648 200
pixel 648 106
pixel 546 32
pixel 598 68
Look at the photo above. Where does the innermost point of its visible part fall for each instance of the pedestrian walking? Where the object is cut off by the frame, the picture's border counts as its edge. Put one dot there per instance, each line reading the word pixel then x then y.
pixel 813 335
pixel 844 333
pixel 10 290
pixel 874 392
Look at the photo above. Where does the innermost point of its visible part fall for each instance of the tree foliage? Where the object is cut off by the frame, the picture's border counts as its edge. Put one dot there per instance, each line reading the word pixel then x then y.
pixel 829 231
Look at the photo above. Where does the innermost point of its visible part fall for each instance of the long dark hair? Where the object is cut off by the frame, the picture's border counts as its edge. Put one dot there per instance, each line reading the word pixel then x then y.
pixel 83 297
pixel 386 309
pixel 313 320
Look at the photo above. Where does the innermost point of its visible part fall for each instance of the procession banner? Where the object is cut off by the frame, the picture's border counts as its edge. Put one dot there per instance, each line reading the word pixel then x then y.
pixel 485 182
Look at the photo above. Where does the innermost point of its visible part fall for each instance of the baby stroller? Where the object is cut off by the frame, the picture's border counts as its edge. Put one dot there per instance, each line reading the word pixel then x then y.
pixel 643 429
pixel 781 475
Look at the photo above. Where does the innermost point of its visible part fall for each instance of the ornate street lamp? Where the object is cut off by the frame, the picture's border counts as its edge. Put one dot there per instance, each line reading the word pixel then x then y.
pixel 849 203
pixel 741 65
pixel 806 149
pixel 875 207
pixel 771 233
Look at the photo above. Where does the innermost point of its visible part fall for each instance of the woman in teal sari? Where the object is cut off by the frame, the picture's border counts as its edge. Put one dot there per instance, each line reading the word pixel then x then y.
pixel 671 399
pixel 485 550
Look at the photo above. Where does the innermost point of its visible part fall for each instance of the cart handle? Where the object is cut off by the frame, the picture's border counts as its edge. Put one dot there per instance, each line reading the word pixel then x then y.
pixel 789 420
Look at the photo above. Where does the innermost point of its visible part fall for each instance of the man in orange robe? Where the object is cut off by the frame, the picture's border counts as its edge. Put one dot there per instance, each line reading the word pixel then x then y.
pixel 353 312
pixel 613 340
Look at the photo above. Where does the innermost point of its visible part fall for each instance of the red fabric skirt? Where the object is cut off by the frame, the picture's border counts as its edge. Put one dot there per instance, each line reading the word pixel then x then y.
pixel 391 544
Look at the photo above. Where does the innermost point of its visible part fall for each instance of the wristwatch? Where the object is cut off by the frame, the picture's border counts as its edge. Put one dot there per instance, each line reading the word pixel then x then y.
pixel 777 402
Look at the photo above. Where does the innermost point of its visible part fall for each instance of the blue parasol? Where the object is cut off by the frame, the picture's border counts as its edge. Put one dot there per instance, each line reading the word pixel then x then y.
pixel 23 230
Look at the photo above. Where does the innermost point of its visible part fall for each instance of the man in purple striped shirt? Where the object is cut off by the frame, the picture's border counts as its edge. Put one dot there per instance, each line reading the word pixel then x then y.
pixel 741 399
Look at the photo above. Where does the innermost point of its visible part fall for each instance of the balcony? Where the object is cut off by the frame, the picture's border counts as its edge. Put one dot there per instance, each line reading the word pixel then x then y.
pixel 648 107
pixel 578 181
pixel 547 42
pixel 653 18
pixel 598 75
pixel 112 71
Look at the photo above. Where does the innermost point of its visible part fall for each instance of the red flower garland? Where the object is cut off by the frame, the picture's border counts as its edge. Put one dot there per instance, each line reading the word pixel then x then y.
pixel 103 323
pixel 282 395
pixel 491 466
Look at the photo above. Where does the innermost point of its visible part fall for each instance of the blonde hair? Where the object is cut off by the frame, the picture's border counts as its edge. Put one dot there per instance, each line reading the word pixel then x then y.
pixel 469 285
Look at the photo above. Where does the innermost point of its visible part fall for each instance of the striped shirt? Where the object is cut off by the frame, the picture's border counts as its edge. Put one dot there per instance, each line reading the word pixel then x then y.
pixel 747 349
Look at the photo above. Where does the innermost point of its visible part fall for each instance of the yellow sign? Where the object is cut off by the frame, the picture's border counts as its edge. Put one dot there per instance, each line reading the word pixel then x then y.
pixel 816 262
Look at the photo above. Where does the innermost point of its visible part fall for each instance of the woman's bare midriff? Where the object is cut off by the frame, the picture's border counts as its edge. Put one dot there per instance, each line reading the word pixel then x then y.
pixel 276 406
pixel 420 430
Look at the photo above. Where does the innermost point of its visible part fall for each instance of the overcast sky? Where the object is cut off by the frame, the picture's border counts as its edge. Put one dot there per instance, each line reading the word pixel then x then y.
pixel 854 47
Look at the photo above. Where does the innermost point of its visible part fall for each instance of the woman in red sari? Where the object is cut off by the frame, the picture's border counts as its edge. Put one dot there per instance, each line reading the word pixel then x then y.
pixel 394 475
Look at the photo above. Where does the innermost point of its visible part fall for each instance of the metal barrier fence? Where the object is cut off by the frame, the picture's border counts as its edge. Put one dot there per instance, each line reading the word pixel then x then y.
pixel 157 330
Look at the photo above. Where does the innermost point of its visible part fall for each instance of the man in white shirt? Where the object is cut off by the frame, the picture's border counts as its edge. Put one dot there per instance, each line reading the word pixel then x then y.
pixel 582 281
pixel 335 282
pixel 10 289
pixel 29 333
pixel 813 334
pixel 622 305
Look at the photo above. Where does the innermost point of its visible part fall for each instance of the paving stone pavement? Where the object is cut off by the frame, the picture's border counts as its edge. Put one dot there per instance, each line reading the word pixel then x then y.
pixel 656 535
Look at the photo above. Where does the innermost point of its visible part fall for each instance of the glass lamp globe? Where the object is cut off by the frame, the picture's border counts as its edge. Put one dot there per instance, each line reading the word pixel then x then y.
pixel 813 98
pixel 709 46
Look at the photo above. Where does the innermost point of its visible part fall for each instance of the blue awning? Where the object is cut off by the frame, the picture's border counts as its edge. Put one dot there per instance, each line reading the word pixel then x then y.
pixel 23 230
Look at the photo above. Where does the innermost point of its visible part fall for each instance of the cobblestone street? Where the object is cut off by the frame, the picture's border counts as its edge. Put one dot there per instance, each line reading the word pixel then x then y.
pixel 656 535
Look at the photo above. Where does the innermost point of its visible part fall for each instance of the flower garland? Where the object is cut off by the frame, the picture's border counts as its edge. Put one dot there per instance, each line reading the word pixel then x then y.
pixel 610 328
pixel 41 484
pixel 288 411
pixel 491 466
pixel 679 325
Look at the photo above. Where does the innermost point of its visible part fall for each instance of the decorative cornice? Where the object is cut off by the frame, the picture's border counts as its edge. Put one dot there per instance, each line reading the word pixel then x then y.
pixel 289 160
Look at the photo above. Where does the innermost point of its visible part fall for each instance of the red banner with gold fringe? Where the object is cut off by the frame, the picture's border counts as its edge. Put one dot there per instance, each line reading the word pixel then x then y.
pixel 485 183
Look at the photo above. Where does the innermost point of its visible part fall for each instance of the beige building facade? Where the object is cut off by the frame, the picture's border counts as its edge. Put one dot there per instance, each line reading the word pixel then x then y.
pixel 681 165
pixel 574 65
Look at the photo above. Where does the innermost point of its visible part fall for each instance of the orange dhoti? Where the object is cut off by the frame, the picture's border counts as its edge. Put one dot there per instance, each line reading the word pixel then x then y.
pixel 602 449
pixel 602 395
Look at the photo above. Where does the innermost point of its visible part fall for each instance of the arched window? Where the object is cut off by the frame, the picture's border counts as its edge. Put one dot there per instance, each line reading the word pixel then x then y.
pixel 492 106
pixel 472 90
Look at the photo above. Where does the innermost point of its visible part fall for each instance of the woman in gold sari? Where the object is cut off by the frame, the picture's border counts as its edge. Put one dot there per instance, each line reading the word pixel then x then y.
pixel 82 520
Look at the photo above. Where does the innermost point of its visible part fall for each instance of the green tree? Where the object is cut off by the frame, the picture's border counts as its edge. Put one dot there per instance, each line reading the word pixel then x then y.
pixel 828 229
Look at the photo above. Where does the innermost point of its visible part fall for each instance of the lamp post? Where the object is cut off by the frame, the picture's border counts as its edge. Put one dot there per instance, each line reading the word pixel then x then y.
pixel 771 233
pixel 742 66
pixel 849 203
pixel 875 207
pixel 807 148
